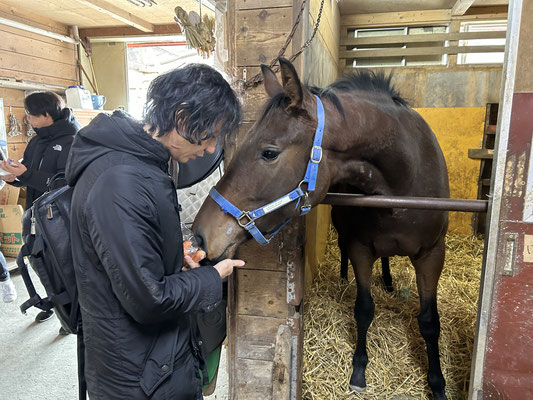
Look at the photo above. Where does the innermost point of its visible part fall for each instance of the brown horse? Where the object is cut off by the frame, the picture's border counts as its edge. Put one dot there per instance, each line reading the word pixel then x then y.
pixel 373 142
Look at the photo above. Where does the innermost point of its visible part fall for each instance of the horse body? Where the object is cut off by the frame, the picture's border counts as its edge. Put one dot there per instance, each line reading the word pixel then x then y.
pixel 373 144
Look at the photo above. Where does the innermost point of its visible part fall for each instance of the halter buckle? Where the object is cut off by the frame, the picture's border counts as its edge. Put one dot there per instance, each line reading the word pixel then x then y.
pixel 245 215
pixel 312 155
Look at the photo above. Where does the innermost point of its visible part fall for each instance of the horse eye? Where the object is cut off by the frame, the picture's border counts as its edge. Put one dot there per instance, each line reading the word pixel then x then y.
pixel 270 155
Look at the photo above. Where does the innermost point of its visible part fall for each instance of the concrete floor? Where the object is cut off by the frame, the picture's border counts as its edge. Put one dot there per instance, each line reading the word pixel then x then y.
pixel 38 364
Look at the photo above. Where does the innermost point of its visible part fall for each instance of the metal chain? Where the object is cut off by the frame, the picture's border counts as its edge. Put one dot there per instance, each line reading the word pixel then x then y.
pixel 258 78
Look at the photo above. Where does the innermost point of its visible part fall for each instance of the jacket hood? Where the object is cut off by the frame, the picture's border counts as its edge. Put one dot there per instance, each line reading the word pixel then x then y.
pixel 107 133
pixel 65 125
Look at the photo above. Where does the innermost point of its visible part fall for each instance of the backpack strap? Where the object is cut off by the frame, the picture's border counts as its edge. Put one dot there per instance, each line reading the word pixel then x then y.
pixel 82 383
pixel 35 300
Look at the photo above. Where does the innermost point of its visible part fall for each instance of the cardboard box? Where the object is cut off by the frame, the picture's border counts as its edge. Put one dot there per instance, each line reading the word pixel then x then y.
pixel 9 195
pixel 11 230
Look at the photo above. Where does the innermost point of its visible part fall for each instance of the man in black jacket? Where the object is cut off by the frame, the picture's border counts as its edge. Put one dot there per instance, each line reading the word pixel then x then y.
pixel 46 154
pixel 138 296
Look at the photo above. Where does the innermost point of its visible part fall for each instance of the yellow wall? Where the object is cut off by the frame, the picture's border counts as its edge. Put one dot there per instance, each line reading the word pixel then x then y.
pixel 457 130
pixel 111 71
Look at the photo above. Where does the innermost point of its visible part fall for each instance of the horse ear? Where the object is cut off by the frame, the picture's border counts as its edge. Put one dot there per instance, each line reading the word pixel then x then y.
pixel 291 83
pixel 272 85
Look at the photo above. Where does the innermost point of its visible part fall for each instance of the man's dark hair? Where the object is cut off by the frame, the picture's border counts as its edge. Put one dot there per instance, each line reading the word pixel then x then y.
pixel 40 103
pixel 194 99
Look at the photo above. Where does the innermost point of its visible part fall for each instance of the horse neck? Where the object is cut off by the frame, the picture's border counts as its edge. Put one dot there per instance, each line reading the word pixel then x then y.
pixel 345 139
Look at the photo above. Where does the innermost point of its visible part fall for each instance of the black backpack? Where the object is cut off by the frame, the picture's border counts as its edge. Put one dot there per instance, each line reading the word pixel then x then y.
pixel 46 235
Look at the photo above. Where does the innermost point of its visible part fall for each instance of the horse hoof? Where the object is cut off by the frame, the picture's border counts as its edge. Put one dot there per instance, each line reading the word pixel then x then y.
pixel 357 388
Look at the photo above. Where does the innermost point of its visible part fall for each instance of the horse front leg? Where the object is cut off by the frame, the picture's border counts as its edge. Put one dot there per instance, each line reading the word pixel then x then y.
pixel 363 312
pixel 428 269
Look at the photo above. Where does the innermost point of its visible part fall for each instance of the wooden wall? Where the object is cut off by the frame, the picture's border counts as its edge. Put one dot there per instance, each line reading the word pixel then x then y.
pixel 26 56
pixel 31 57
pixel 267 293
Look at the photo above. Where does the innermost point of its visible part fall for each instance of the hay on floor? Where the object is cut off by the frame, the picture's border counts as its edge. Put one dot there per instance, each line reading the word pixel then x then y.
pixel 397 355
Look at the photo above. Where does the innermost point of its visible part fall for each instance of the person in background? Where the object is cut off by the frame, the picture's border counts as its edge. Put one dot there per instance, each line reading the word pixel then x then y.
pixel 46 154
pixel 9 292
pixel 139 296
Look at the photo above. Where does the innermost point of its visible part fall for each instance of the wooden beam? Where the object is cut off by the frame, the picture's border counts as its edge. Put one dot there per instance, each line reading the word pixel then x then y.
pixel 461 6
pixel 119 14
pixel 422 38
pixel 420 51
pixel 397 18
pixel 123 31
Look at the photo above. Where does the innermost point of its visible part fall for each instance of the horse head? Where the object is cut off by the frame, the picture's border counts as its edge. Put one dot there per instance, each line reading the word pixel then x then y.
pixel 273 176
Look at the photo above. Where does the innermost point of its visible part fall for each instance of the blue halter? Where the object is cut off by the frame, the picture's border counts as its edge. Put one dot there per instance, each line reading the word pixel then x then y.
pixel 246 219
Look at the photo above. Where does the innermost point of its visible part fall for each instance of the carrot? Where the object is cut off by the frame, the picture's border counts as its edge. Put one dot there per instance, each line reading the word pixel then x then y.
pixel 198 256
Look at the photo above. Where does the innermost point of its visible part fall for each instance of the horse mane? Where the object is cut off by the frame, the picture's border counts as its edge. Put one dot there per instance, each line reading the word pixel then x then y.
pixel 359 80
pixel 369 81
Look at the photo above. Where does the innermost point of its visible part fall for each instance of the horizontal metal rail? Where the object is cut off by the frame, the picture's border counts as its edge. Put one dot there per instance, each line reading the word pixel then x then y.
pixel 423 203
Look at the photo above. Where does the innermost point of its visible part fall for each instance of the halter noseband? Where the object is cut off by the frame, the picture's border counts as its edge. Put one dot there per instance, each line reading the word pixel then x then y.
pixel 246 219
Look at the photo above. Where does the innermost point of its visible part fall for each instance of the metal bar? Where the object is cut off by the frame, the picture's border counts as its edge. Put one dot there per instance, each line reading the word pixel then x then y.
pixel 423 203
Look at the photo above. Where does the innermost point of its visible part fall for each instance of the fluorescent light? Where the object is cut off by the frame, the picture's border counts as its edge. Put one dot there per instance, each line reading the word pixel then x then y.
pixel 38 31
pixel 139 39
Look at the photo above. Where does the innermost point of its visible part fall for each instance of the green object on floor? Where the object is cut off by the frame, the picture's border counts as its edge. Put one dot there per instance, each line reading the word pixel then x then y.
pixel 212 360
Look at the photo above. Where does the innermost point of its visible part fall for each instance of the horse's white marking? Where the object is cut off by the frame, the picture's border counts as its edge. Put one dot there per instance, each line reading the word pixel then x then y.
pixel 357 388
pixel 229 230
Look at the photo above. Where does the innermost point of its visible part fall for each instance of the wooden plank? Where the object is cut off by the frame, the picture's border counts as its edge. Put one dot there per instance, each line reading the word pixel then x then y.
pixel 12 97
pixel 281 368
pixel 36 66
pixel 262 293
pixel 461 6
pixel 434 37
pixel 84 117
pixel 16 150
pixel 32 77
pixel 260 34
pixel 118 14
pixel 124 31
pixel 28 18
pixel 255 336
pixel 251 4
pixel 253 380
pixel 481 154
pixel 405 18
pixel 420 51
pixel 18 44
pixel 34 36
pixel 257 256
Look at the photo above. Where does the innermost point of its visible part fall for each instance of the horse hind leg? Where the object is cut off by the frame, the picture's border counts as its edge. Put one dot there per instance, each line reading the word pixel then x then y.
pixel 344 258
pixel 385 274
pixel 364 307
pixel 428 268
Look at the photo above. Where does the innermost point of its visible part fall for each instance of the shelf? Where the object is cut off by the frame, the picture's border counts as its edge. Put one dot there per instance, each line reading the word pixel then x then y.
pixel 481 154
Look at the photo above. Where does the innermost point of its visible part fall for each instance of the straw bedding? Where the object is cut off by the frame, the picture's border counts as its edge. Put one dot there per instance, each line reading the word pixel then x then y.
pixel 397 355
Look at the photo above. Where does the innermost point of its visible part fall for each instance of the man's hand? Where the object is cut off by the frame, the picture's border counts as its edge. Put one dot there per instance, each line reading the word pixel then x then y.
pixel 189 264
pixel 8 178
pixel 225 267
pixel 16 169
